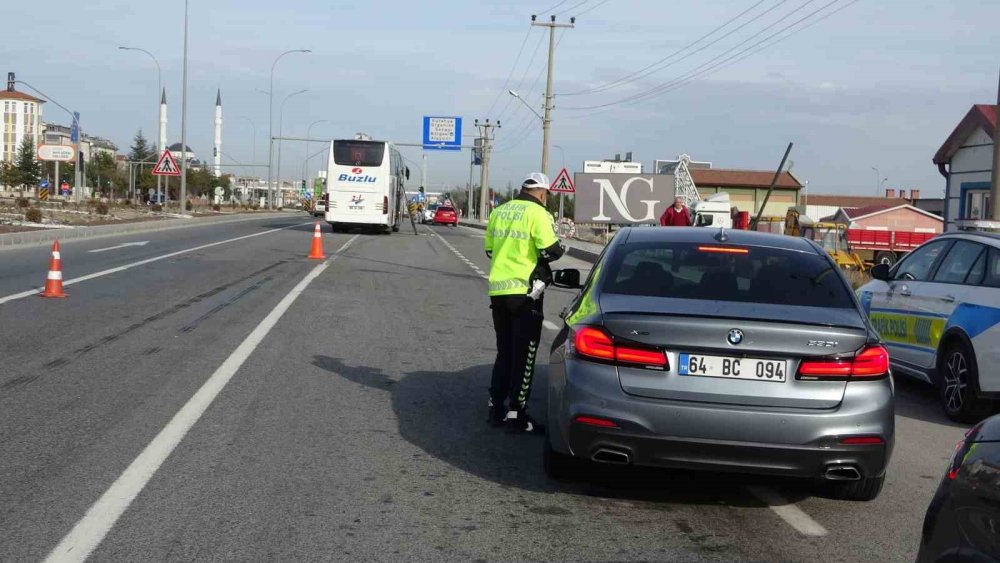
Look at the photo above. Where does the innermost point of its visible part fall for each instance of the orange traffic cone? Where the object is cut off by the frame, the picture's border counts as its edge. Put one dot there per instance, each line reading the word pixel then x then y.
pixel 317 247
pixel 53 284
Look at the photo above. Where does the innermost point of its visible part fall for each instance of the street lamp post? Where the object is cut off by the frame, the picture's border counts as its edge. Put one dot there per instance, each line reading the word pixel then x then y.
pixel 77 169
pixel 159 88
pixel 308 144
pixel 270 123
pixel 281 117
pixel 184 101
pixel 253 148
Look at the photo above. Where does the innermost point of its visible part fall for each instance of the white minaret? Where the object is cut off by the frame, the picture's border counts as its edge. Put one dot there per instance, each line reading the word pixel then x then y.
pixel 163 141
pixel 218 133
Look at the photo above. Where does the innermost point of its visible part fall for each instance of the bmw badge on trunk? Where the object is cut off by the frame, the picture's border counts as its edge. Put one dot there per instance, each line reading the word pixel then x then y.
pixel 735 336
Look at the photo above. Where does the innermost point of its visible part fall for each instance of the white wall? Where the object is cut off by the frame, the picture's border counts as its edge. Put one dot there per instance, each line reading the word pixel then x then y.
pixel 971 163
pixel 20 122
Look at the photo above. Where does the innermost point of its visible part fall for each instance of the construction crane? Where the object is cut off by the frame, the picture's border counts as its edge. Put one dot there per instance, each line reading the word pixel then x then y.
pixel 714 211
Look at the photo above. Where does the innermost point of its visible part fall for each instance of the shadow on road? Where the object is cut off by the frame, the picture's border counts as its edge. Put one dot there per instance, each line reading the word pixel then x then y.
pixel 444 414
pixel 919 400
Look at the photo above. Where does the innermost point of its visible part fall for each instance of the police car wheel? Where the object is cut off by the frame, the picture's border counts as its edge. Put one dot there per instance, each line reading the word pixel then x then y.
pixel 958 385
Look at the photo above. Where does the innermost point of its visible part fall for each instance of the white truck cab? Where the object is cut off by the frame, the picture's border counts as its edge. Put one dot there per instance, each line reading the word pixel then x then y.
pixel 712 212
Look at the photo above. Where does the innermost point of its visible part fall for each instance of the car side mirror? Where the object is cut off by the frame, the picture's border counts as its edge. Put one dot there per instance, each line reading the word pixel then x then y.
pixel 568 278
pixel 880 272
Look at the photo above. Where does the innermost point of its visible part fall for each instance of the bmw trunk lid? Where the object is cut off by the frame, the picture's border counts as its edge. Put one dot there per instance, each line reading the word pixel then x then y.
pixel 732 353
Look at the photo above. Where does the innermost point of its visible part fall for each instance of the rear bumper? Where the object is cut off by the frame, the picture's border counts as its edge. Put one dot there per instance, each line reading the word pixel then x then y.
pixel 717 437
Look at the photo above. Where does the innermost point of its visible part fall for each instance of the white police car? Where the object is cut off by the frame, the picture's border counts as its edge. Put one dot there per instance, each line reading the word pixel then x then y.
pixel 938 312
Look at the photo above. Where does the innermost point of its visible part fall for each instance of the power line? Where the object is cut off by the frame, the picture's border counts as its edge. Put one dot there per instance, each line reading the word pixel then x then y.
pixel 629 77
pixel 553 7
pixel 573 7
pixel 748 52
pixel 506 81
pixel 592 7
pixel 520 83
pixel 696 70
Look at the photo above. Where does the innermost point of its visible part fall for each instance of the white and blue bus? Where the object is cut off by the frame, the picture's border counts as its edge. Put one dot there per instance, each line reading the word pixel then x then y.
pixel 364 186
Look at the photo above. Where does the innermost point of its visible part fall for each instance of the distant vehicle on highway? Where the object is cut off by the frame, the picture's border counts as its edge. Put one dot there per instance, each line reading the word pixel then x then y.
pixel 319 208
pixel 721 350
pixel 429 212
pixel 365 186
pixel 938 311
pixel 445 215
pixel 963 520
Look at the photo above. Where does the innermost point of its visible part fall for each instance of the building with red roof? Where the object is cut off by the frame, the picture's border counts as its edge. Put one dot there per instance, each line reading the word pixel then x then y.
pixel 966 161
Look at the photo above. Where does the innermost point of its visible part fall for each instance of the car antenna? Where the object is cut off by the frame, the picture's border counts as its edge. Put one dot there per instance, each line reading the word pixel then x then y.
pixel 723 237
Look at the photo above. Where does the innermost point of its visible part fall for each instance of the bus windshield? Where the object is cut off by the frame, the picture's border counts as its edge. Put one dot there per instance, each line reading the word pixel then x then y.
pixel 358 153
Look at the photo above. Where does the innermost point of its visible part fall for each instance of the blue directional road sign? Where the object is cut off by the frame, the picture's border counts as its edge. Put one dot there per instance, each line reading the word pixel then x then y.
pixel 43 184
pixel 74 132
pixel 442 133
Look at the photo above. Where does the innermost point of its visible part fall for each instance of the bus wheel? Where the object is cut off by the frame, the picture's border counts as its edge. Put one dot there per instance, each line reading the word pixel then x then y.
pixel 885 257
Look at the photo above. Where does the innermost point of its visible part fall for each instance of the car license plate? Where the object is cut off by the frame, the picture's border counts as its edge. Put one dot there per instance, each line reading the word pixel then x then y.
pixel 732 368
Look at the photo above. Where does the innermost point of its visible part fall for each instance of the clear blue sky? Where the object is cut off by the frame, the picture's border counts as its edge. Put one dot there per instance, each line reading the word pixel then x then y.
pixel 880 83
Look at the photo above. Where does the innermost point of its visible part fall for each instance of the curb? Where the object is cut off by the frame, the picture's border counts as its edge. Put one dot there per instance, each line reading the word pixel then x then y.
pixel 578 253
pixel 27 238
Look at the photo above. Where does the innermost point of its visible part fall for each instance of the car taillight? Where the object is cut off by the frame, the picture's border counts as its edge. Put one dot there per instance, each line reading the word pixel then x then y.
pixel 862 441
pixel 326 199
pixel 385 205
pixel 870 363
pixel 595 421
pixel 595 343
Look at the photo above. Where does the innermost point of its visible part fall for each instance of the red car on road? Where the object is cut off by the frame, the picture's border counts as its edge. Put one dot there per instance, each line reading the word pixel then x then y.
pixel 445 216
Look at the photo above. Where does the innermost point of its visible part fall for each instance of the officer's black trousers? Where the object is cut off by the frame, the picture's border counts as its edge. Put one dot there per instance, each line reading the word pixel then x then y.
pixel 517 320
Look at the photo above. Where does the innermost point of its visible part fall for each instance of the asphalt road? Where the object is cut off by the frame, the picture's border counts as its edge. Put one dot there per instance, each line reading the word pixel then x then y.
pixel 239 402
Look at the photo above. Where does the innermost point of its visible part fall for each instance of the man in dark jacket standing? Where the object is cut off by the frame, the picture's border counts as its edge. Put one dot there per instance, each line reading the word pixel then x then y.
pixel 677 215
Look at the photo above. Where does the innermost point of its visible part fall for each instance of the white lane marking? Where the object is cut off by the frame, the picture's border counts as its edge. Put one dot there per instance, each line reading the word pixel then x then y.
pixel 549 325
pixel 126 245
pixel 91 530
pixel 461 257
pixel 31 292
pixel 791 514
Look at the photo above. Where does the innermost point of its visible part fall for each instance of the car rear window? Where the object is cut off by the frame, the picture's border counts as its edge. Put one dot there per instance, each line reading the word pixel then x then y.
pixel 446 209
pixel 358 153
pixel 748 274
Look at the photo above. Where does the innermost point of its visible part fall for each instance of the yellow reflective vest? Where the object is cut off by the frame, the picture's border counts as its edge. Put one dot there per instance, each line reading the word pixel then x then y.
pixel 516 234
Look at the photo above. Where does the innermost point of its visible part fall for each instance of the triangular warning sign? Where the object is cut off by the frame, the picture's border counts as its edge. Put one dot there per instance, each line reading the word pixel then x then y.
pixel 166 166
pixel 563 184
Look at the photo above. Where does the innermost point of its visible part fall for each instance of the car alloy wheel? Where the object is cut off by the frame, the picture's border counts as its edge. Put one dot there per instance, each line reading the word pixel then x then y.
pixel 956 381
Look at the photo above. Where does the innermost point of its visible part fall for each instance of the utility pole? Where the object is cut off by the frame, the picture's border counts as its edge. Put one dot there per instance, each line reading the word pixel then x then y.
pixel 423 172
pixel 995 175
pixel 184 105
pixel 486 134
pixel 547 120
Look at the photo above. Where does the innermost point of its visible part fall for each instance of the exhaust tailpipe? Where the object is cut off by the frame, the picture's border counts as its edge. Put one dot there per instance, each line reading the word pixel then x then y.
pixel 842 473
pixel 605 455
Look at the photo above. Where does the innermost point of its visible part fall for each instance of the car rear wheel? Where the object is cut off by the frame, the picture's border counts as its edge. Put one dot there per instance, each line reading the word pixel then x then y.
pixel 958 385
pixel 559 466
pixel 861 490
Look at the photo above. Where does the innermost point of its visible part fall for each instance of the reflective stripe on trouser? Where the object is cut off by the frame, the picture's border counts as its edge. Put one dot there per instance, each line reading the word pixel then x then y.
pixel 517 321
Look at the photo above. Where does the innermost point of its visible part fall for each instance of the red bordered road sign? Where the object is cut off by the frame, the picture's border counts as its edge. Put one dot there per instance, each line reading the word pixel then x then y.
pixel 563 183
pixel 166 166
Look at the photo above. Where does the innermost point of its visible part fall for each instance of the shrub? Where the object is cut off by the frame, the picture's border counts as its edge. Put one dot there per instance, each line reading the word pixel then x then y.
pixel 156 207
pixel 33 215
pixel 189 206
pixel 101 208
pixel 216 207
pixel 23 203
pixel 255 207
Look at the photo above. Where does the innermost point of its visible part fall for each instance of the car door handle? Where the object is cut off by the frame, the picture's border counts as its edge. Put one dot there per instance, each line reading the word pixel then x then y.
pixel 905 291
pixel 948 298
